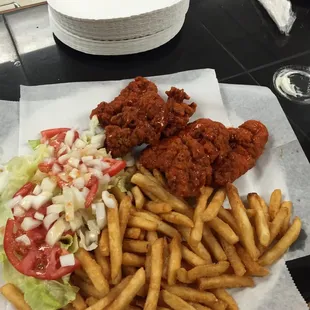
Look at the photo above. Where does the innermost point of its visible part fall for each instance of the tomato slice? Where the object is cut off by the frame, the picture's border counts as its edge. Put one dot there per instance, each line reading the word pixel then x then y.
pixel 93 185
pixel 50 133
pixel 116 166
pixel 25 190
pixel 46 167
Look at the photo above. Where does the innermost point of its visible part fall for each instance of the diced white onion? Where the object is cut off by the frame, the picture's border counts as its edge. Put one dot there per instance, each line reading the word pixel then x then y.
pixel 91 237
pixel 50 219
pixel 58 199
pixel 93 208
pixel 109 200
pixel 67 260
pixel 69 206
pixel 69 138
pixel 76 154
pixel 93 163
pixel 18 211
pixel 50 150
pixel 96 172
pixel 83 168
pixel 87 177
pixel 98 140
pixel 41 199
pixel 85 192
pixel 74 173
pixel 27 202
pixel 23 239
pixel 92 226
pixel 77 222
pixel 78 198
pixel 104 165
pixel 56 169
pixel 14 201
pixel 101 217
pixel 87 159
pixel 29 223
pixel 90 150
pixel 62 150
pixel 55 233
pixel 63 158
pixel 105 179
pixel 37 190
pixel 55 208
pixel 79 182
pixel 39 216
pixel 63 176
pixel 48 185
pixel 83 243
pixel 74 162
pixel 79 144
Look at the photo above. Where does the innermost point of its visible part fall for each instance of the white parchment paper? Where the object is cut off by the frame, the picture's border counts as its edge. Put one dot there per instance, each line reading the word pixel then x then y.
pixel 70 104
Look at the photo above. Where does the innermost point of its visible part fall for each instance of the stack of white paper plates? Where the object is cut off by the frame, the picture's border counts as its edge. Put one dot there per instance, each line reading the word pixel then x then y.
pixel 116 27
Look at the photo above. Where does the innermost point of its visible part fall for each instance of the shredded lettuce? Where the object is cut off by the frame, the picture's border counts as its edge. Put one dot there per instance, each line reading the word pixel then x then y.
pixel 69 243
pixel 122 180
pixel 47 295
pixel 34 143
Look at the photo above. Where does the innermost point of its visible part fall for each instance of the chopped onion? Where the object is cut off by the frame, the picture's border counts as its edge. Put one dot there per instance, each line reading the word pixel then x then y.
pixel 79 144
pixel 83 168
pixel 78 198
pixel 62 150
pixel 55 233
pixel 50 150
pixel 93 208
pixel 74 173
pixel 37 190
pixel 90 149
pixel 50 219
pixel 83 243
pixel 48 185
pixel 87 177
pixel 104 165
pixel 105 179
pixel 58 199
pixel 14 201
pixel 69 206
pixel 27 202
pixel 79 182
pixel 29 223
pixel 39 216
pixel 87 159
pixel 96 172
pixel 94 163
pixel 63 158
pixel 98 140
pixel 67 260
pixel 85 192
pixel 41 199
pixel 69 138
pixel 92 226
pixel 108 199
pixel 91 237
pixel 63 176
pixel 76 154
pixel 101 217
pixel 55 208
pixel 56 169
pixel 23 239
pixel 74 162
pixel 18 211
pixel 77 222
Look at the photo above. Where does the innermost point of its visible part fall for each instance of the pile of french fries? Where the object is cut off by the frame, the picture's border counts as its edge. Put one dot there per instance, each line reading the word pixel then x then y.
pixel 158 253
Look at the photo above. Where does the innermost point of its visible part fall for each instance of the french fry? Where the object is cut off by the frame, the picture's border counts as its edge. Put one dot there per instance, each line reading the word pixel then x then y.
pixel 233 258
pixel 155 189
pixel 261 225
pixel 87 288
pixel 142 235
pixel 130 307
pixel 158 207
pixel 129 270
pixel 135 246
pixel 227 217
pixel 156 274
pixel 275 203
pixel 162 308
pixel 265 208
pixel 146 173
pixel 138 196
pixel 151 238
pixel 210 270
pixel 251 213
pixel 14 296
pixel 282 245
pixel 214 206
pixel 67 307
pixel 117 193
pixel 223 295
pixel 166 256
pixel 93 270
pixel 225 281
pixel 159 177
pixel 114 292
pixel 91 301
pixel 174 260
pixel 224 230
pixel 199 249
pixel 125 297
pixel 143 291
pixel 212 244
pixel 219 305
pixel 191 257
pixel 175 302
pixel 142 223
pixel 199 306
pixel 132 233
pixel 124 213
pixel 104 242
pixel 104 263
pixel 79 303
pixel 82 274
pixel 130 259
pixel 191 294
pixel 150 195
pixel 115 243
pixel 244 225
pixel 253 268
pixel 286 223
pixel 182 276
pixel 277 223
pixel 177 218
pixel 196 232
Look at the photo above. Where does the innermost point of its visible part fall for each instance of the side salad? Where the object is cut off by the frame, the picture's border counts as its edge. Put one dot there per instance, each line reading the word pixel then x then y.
pixel 53 202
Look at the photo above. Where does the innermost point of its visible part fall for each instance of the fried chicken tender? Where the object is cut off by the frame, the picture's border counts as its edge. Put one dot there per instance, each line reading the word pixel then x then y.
pixel 206 153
